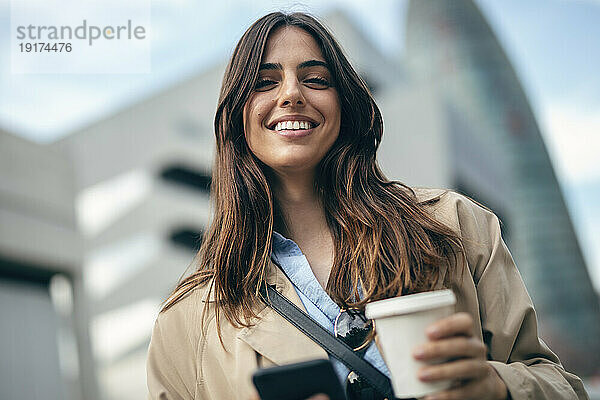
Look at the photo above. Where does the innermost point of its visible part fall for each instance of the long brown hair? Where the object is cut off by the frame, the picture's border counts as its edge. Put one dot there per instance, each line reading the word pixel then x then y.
pixel 383 238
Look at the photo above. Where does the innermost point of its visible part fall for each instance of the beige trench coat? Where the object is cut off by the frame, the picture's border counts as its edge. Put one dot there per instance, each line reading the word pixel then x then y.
pixel 186 359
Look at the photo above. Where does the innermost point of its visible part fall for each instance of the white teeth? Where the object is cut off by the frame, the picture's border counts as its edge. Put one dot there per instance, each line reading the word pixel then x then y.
pixel 292 125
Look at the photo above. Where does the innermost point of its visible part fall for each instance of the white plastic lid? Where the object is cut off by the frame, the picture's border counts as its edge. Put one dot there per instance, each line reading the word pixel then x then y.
pixel 410 303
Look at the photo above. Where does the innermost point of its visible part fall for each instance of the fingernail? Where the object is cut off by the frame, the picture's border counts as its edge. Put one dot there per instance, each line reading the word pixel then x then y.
pixel 419 352
pixel 432 331
pixel 424 374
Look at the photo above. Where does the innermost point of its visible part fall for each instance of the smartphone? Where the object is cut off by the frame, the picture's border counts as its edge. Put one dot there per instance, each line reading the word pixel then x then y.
pixel 298 381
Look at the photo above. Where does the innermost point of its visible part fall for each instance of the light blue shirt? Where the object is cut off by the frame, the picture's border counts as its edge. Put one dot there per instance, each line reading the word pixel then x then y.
pixel 317 302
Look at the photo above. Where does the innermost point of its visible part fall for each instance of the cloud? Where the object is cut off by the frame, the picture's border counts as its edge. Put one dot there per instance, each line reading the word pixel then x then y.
pixel 572 135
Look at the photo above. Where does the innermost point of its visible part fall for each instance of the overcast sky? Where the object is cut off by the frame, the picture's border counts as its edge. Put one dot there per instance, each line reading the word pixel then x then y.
pixel 553 45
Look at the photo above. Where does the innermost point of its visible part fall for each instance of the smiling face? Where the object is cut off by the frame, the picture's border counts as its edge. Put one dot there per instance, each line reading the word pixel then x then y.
pixel 292 118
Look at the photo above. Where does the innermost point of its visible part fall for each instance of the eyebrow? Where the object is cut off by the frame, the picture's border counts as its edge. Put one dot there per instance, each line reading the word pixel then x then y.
pixel 305 64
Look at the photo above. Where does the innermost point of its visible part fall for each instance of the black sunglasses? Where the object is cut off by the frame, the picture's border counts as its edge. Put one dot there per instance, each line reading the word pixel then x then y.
pixel 357 331
pixel 353 328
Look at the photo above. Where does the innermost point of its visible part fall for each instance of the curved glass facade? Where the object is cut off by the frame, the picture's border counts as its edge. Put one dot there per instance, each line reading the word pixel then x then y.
pixel 498 156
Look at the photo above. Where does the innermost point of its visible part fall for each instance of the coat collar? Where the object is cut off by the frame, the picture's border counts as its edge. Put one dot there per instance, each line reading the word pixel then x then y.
pixel 273 336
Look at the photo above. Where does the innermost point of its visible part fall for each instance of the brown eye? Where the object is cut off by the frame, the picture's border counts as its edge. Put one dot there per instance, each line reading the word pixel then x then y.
pixel 317 83
pixel 264 84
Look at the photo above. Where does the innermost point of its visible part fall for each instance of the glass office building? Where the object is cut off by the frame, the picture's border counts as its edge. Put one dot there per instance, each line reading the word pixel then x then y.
pixel 498 157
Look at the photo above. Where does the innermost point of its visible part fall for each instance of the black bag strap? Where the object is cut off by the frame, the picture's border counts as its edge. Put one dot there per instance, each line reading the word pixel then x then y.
pixel 326 340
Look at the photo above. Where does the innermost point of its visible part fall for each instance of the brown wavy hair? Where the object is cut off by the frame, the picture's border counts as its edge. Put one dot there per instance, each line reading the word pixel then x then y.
pixel 383 237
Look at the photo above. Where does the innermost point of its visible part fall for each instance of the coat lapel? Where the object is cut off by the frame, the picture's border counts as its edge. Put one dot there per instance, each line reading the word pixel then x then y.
pixel 273 336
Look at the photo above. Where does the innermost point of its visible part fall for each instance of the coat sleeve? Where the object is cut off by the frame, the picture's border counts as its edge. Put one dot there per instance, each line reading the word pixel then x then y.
pixel 528 367
pixel 170 367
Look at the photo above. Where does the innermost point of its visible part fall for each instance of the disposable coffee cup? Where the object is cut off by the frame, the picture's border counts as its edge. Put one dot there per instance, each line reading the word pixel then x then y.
pixel 400 325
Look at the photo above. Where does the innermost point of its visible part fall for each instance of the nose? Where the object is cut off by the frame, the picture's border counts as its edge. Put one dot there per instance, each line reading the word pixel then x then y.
pixel 291 93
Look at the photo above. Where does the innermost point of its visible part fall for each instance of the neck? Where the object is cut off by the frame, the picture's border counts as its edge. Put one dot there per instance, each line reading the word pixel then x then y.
pixel 305 222
pixel 301 208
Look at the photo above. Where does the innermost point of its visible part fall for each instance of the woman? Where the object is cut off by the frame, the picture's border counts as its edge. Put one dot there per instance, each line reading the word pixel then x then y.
pixel 296 181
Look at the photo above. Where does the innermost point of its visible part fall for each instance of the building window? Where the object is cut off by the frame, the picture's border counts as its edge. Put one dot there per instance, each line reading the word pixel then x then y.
pixel 23 271
pixel 182 175
pixel 187 238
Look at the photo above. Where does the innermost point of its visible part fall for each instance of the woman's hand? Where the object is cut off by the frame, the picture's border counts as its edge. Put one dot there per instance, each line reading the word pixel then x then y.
pixel 453 338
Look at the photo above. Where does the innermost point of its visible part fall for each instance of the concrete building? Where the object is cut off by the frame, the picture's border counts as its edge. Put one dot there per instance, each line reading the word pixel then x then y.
pixel 40 258
pixel 141 178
